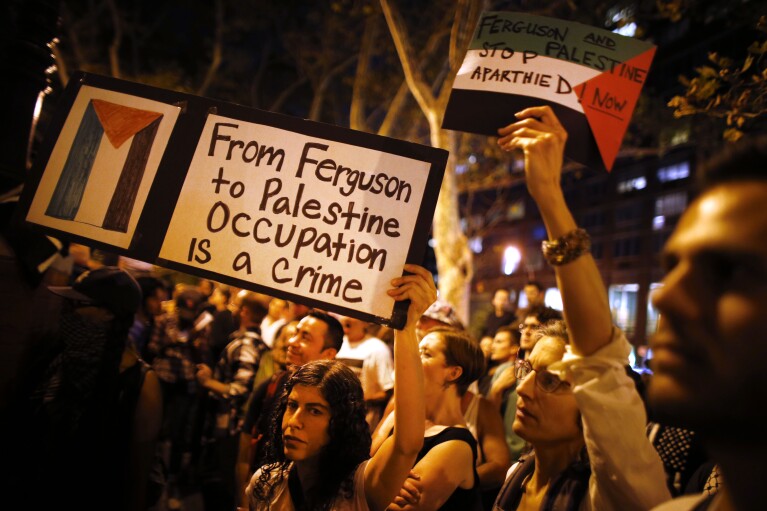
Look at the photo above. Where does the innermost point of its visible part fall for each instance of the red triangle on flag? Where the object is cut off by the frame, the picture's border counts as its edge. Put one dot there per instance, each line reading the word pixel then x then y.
pixel 608 100
pixel 121 122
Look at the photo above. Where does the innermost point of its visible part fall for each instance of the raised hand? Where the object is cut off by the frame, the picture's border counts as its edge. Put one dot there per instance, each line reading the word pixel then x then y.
pixel 418 288
pixel 541 137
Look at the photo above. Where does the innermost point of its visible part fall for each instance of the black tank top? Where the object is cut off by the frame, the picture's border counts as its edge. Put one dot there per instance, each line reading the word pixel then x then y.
pixel 461 499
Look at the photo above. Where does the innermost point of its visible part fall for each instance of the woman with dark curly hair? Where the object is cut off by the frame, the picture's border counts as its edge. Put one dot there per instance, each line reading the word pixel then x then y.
pixel 320 459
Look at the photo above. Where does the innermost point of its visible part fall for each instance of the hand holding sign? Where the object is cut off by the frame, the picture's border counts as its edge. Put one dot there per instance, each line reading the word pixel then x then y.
pixel 306 211
pixel 418 288
pixel 540 135
pixel 590 77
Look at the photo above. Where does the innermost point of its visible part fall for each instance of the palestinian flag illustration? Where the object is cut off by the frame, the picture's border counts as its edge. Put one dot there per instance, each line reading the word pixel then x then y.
pixel 99 151
pixel 590 77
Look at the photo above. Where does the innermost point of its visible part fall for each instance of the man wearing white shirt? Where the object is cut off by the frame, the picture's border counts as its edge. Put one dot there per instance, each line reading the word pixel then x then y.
pixel 371 360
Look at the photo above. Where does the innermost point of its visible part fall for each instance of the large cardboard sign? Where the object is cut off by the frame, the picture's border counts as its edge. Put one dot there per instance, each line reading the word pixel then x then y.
pixel 589 76
pixel 302 210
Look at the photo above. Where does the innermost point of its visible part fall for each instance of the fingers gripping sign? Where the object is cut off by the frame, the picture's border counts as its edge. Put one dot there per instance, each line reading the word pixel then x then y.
pixel 541 137
pixel 418 287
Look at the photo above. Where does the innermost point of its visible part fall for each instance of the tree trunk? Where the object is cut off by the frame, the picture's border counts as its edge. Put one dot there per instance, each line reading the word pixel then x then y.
pixel 454 259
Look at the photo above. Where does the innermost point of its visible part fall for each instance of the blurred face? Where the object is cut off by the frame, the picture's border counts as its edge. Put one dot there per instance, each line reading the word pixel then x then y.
pixel 546 418
pixel 501 300
pixel 308 343
pixel 527 329
pixel 246 317
pixel 93 313
pixel 305 423
pixel 277 307
pixel 533 294
pixel 280 347
pixel 354 329
pixel 709 352
pixel 503 349
pixel 153 303
pixel 486 345
pixel 206 287
pixel 218 298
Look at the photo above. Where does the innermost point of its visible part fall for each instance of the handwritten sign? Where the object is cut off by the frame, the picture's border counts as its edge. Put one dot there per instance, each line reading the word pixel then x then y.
pixel 591 78
pixel 308 216
pixel 306 211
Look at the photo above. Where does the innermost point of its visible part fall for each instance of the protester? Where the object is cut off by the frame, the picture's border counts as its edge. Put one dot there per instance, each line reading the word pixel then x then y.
pixel 174 350
pixel 320 443
pixel 439 314
pixel 228 386
pixel 503 394
pixel 371 360
pixel 576 406
pixel 527 328
pixel 85 433
pixel 152 295
pixel 501 315
pixel 318 336
pixel 709 352
pixel 447 464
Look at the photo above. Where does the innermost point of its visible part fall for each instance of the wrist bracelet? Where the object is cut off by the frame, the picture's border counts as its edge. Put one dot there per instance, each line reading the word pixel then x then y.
pixel 567 247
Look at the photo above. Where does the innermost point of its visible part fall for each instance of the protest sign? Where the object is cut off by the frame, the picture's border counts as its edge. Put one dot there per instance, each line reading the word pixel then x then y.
pixel 302 210
pixel 589 76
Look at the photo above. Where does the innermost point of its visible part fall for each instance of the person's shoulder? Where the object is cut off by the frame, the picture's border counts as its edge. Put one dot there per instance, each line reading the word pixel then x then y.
pixel 378 347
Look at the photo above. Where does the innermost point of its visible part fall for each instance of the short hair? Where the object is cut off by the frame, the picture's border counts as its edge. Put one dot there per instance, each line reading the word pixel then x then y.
pixel 225 290
pixel 334 338
pixel 536 284
pixel 256 305
pixel 513 332
pixel 556 328
pixel 744 160
pixel 544 314
pixel 463 351
pixel 149 286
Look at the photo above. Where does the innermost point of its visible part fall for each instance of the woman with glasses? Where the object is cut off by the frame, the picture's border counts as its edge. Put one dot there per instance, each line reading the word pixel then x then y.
pixel 576 406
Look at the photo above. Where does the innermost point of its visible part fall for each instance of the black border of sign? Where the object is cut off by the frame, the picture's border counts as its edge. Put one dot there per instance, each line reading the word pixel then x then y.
pixel 166 187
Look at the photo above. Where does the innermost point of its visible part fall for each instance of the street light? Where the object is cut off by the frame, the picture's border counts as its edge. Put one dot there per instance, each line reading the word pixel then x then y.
pixel 511 259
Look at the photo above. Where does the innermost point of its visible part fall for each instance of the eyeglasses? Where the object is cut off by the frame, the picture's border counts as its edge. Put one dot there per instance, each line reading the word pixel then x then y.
pixel 525 326
pixel 544 380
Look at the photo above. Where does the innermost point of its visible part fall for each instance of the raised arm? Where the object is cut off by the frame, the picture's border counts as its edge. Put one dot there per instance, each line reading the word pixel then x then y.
pixel 538 133
pixel 388 468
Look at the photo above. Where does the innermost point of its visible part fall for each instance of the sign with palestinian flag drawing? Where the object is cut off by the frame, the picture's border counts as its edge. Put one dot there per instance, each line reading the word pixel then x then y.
pixel 589 76
pixel 305 211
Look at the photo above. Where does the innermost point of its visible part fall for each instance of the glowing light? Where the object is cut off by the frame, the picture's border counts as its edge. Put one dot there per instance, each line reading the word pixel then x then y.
pixel 511 260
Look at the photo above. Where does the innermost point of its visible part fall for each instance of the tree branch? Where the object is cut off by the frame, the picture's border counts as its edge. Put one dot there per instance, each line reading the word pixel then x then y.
pixel 357 111
pixel 276 106
pixel 319 93
pixel 418 87
pixel 218 44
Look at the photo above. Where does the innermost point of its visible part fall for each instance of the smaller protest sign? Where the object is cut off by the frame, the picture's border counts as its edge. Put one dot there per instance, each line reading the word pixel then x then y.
pixel 305 211
pixel 589 76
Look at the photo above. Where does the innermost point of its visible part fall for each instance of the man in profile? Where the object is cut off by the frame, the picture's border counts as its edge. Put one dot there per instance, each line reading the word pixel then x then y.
pixel 711 345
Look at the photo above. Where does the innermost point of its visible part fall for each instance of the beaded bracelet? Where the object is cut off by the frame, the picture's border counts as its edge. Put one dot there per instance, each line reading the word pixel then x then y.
pixel 566 248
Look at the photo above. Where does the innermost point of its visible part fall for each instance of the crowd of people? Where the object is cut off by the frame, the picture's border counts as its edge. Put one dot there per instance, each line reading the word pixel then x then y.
pixel 147 390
